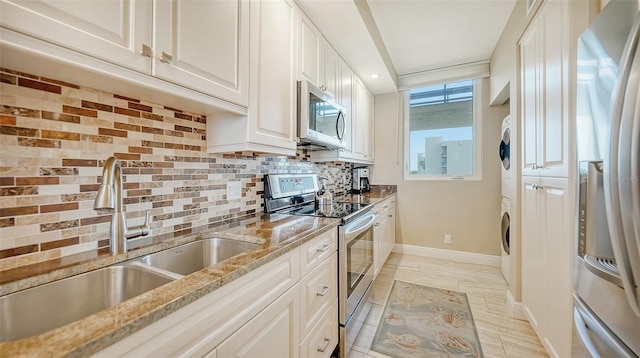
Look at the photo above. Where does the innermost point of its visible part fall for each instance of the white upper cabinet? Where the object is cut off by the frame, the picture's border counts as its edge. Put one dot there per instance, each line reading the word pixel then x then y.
pixel 345 88
pixel 204 45
pixel 309 50
pixel 544 56
pixel 270 126
pixel 330 72
pixel 199 45
pixel 362 113
pixel 273 91
pixel 318 61
pixel 115 31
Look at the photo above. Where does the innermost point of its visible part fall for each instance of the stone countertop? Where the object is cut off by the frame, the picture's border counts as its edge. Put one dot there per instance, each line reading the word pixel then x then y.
pixel 276 233
pixel 377 194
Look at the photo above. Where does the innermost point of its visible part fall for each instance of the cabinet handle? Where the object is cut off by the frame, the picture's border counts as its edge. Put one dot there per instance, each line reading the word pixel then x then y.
pixel 376 224
pixel 385 207
pixel 166 58
pixel 325 291
pixel 324 247
pixel 327 341
pixel 146 51
pixel 537 187
pixel 390 215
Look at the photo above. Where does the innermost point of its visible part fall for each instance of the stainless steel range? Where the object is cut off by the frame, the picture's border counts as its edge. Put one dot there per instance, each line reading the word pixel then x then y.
pixel 295 194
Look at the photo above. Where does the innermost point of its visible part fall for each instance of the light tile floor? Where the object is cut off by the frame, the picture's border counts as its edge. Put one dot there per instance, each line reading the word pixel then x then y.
pixel 500 334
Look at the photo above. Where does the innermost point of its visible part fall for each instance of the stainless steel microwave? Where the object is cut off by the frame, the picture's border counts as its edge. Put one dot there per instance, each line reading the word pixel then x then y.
pixel 321 121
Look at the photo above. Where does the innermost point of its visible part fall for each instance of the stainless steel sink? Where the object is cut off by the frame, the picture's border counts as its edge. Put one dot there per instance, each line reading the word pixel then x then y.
pixel 43 308
pixel 194 256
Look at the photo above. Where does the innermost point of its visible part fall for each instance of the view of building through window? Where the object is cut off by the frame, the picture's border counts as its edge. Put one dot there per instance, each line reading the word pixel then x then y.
pixel 441 129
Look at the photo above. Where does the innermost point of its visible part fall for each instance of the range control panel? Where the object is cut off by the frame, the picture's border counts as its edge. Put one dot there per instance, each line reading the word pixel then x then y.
pixel 282 185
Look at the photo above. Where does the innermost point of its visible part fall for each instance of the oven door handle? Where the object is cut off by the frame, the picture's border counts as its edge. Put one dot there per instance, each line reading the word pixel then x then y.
pixel 360 228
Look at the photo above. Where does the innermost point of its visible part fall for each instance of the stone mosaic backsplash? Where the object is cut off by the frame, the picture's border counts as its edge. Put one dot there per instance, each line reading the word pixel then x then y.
pixel 55 138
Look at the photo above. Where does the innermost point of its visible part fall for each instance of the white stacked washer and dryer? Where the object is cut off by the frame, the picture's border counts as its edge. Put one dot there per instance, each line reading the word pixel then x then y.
pixel 505 212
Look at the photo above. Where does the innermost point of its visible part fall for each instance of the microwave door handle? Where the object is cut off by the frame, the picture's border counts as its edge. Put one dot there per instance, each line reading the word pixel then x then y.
pixel 618 224
pixel 340 128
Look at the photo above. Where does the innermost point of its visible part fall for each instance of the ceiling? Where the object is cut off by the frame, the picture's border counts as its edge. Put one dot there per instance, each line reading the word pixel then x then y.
pixel 408 37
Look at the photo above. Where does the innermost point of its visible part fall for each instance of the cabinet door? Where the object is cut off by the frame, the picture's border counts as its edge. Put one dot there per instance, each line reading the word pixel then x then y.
pixel 534 286
pixel 330 71
pixel 557 218
pixel 345 85
pixel 369 123
pixel 309 47
pixel 544 51
pixel 553 149
pixel 113 31
pixel 272 333
pixel 390 235
pixel 530 80
pixel 204 45
pixel 379 232
pixel 273 91
pixel 358 109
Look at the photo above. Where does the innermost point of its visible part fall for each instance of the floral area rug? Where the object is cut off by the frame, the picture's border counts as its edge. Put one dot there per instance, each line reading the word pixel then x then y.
pixel 422 321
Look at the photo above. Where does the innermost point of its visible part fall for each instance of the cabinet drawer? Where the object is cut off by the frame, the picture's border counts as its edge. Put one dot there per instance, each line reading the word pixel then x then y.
pixel 317 250
pixel 385 205
pixel 318 290
pixel 323 338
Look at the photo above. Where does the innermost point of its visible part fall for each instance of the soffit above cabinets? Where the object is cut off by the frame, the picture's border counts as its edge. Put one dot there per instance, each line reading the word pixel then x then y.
pixel 404 37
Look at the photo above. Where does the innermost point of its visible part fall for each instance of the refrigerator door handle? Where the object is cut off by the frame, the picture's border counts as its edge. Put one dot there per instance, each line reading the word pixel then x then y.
pixel 585 321
pixel 621 228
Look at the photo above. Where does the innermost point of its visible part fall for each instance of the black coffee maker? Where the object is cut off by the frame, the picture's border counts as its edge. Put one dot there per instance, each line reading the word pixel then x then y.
pixel 360 183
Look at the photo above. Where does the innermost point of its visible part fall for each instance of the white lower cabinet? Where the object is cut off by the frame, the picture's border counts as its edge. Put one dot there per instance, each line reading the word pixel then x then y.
pixel 318 290
pixel 271 334
pixel 322 339
pixel 384 232
pixel 272 311
pixel 547 238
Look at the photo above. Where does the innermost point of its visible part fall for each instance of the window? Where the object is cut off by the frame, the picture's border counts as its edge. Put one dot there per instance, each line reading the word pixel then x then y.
pixel 441 132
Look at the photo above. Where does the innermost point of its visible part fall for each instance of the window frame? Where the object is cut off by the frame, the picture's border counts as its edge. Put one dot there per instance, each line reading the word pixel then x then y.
pixel 477 137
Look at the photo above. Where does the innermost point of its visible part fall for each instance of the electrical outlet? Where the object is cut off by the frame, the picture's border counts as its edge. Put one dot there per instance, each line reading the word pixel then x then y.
pixel 447 239
pixel 234 190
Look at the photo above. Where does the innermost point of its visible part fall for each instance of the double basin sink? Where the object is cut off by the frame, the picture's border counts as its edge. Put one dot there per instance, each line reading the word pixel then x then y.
pixel 43 308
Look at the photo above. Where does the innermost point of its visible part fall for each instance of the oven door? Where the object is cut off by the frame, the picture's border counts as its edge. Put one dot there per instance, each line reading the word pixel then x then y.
pixel 356 263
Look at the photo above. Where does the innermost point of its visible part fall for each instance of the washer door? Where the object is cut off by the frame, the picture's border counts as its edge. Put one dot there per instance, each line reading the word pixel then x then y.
pixel 506 222
pixel 505 151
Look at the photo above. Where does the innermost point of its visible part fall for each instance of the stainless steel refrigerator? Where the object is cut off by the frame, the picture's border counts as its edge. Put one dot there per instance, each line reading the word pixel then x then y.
pixel 607 261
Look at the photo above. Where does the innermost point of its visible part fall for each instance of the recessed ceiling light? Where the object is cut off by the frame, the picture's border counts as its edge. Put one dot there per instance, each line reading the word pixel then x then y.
pixel 375 75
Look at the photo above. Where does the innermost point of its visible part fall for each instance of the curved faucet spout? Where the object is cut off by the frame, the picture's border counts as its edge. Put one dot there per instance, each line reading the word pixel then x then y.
pixel 110 196
pixel 110 191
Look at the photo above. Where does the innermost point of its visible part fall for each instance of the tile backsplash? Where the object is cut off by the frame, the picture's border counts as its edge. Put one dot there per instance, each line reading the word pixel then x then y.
pixel 55 138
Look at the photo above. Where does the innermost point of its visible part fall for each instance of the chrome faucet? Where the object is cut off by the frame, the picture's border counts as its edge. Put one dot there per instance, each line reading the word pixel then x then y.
pixel 110 197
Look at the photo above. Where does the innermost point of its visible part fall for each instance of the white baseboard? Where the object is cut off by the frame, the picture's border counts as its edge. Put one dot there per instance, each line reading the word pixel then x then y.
pixel 515 307
pixel 460 256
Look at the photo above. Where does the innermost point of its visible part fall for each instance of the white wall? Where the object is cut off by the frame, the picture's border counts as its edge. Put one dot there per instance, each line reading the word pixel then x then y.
pixel 468 210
